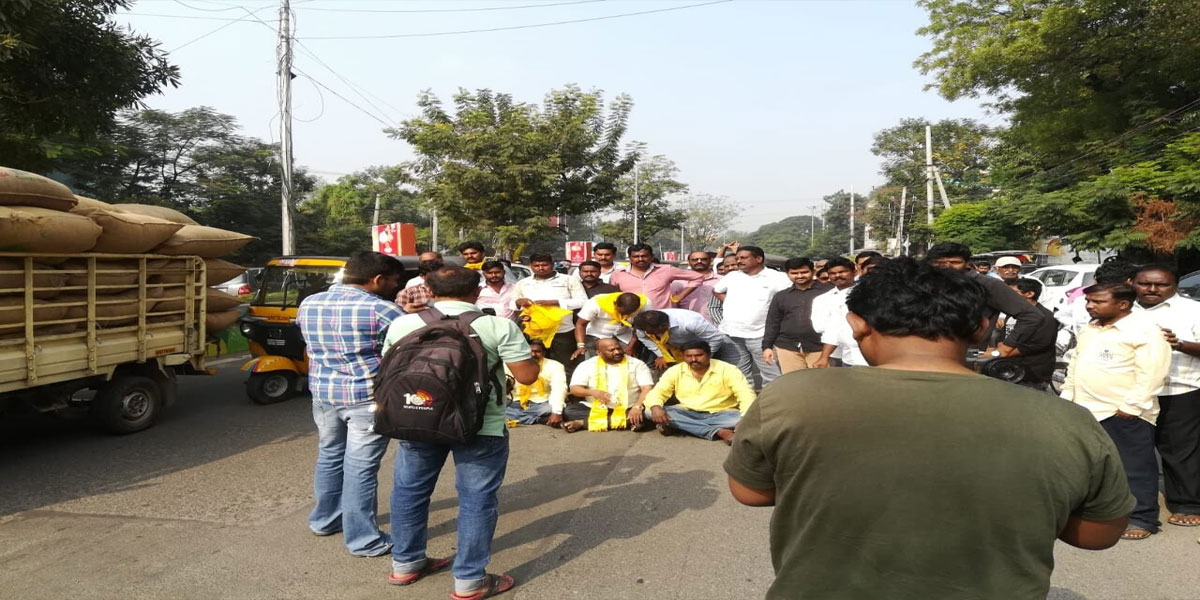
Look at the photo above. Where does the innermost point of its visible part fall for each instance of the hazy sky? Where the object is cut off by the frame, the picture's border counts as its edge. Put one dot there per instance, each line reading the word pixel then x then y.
pixel 769 102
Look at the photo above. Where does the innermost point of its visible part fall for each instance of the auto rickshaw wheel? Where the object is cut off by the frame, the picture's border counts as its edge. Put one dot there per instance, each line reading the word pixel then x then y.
pixel 271 387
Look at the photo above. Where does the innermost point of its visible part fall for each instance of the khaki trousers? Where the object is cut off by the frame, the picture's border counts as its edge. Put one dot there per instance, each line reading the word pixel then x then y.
pixel 795 360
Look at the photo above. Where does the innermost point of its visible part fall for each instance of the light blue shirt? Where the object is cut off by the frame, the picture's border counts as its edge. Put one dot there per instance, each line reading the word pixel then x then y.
pixel 686 326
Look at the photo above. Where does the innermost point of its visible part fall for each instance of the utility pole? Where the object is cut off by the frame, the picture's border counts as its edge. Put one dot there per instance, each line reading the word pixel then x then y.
pixel 680 241
pixel 635 203
pixel 928 175
pixel 941 189
pixel 852 220
pixel 812 226
pixel 375 217
pixel 900 229
pixel 433 230
pixel 284 53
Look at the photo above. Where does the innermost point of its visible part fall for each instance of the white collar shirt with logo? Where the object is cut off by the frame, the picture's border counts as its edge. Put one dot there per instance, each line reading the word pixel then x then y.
pixel 747 298
pixel 639 375
pixel 835 329
pixel 1182 316
pixel 1119 367
pixel 567 290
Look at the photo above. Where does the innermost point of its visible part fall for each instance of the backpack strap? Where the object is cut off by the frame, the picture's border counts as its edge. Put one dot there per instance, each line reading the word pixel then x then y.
pixel 430 315
pixel 493 371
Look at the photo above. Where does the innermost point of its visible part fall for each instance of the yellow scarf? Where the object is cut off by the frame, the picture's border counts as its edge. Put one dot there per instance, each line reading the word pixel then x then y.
pixel 541 388
pixel 474 266
pixel 598 419
pixel 543 322
pixel 670 353
pixel 608 304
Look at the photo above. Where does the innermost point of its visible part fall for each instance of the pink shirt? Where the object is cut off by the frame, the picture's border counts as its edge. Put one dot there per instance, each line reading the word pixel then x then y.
pixel 489 298
pixel 654 283
pixel 697 301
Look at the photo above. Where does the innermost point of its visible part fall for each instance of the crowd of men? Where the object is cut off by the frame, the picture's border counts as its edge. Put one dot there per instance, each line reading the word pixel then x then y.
pixel 650 346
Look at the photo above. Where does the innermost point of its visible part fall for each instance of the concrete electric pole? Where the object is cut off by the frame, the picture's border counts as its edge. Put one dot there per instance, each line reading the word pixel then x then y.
pixel 284 53
pixel 928 176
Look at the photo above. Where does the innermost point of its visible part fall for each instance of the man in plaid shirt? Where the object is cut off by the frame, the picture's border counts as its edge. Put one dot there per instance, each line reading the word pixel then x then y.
pixel 344 328
pixel 416 298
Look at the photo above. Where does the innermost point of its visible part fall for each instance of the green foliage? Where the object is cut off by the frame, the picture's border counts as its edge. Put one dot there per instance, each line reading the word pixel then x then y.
pixel 65 71
pixel 984 226
pixel 494 164
pixel 337 218
pixel 656 178
pixel 706 220
pixel 788 237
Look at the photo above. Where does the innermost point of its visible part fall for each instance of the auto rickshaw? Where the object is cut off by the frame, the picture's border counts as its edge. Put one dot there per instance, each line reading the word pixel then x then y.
pixel 279 369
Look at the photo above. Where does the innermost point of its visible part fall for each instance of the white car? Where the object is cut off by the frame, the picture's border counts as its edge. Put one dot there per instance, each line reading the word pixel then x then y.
pixel 1058 280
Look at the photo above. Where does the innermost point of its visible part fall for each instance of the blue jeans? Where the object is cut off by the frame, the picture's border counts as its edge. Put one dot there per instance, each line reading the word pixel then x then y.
pixel 700 424
pixel 346 481
pixel 479 469
pixel 527 416
pixel 750 361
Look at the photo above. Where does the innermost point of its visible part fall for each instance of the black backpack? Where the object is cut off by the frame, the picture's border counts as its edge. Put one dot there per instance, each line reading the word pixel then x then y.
pixel 434 383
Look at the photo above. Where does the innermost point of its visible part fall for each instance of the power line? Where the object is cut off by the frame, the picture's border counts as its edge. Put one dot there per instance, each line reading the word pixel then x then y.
pixel 358 89
pixel 229 24
pixel 449 10
pixel 514 27
pixel 190 17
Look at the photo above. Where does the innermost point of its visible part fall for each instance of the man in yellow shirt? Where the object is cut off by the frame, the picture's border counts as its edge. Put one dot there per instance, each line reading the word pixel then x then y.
pixel 713 395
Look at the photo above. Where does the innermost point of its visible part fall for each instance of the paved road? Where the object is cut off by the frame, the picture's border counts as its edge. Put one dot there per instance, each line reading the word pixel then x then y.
pixel 210 503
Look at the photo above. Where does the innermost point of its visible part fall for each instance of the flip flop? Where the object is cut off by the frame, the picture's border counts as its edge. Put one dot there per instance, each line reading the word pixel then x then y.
pixel 494 585
pixel 1184 520
pixel 432 565
pixel 1136 533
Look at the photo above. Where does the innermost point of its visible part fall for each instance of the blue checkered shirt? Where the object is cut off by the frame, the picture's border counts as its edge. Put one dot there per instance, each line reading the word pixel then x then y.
pixel 344 329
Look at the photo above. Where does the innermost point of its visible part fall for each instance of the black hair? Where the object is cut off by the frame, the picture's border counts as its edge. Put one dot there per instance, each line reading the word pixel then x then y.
pixel 639 248
pixel 865 254
pixel 755 250
pixel 1163 268
pixel 1120 291
pixel 629 301
pixel 696 345
pixel 471 245
pixel 541 257
pixel 711 254
pixel 533 343
pixel 605 246
pixel 839 261
pixel 365 266
pixel 428 266
pixel 491 264
pixel 452 281
pixel 874 261
pixel 1117 270
pixel 798 263
pixel 590 263
pixel 948 250
pixel 981 260
pixel 651 318
pixel 1028 284
pixel 905 298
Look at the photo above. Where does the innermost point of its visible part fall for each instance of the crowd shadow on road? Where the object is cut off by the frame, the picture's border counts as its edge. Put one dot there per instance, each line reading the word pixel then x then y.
pixel 46 460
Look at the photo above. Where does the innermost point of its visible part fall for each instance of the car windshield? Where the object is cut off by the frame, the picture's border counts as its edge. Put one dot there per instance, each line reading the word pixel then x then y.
pixel 1189 287
pixel 1056 277
pixel 285 286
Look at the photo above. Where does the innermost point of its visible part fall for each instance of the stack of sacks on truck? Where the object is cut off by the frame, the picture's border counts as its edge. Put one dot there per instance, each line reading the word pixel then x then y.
pixel 39 215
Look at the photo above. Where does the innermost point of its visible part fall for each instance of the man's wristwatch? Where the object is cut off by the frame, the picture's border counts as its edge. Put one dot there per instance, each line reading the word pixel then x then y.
pixel 580 345
pixel 995 353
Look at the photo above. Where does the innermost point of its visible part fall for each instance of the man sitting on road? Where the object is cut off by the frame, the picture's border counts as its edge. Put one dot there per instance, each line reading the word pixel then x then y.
pixel 611 381
pixel 606 316
pixel 713 395
pixel 532 404
pixel 664 332
pixel 919 439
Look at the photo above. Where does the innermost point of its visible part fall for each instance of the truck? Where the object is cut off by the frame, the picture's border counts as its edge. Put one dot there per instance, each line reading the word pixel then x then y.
pixel 106 332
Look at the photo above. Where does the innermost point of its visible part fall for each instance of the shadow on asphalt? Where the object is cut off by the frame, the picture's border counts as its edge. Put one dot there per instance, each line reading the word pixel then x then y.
pixel 46 460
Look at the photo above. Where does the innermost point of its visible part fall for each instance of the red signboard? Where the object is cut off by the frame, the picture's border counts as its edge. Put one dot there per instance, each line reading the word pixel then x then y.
pixel 395 239
pixel 578 252
pixel 671 256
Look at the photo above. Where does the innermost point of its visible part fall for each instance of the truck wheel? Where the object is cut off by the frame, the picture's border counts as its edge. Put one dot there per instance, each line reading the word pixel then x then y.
pixel 271 387
pixel 127 404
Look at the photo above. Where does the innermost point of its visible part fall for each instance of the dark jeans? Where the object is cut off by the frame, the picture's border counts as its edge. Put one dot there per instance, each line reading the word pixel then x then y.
pixel 1178 439
pixel 1134 439
pixel 562 349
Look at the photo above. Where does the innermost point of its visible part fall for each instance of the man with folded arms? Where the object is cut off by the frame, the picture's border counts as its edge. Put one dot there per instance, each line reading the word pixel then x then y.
pixel 713 395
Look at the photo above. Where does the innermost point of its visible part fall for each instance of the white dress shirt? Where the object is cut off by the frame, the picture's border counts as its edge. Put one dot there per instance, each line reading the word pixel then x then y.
pixel 1182 316
pixel 556 375
pixel 747 298
pixel 833 327
pixel 602 326
pixel 567 290
pixel 639 375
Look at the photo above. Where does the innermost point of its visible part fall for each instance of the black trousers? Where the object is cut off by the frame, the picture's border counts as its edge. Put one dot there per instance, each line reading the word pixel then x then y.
pixel 561 350
pixel 1178 439
pixel 1134 439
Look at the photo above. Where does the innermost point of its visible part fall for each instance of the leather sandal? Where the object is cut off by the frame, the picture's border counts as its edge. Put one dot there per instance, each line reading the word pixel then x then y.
pixel 493 585
pixel 432 565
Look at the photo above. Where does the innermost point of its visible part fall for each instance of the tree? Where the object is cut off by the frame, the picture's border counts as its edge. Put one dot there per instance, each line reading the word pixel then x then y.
pixel 65 71
pixel 787 237
pixel 834 237
pixel 706 219
pixel 337 218
pixel 494 164
pixel 984 226
pixel 656 184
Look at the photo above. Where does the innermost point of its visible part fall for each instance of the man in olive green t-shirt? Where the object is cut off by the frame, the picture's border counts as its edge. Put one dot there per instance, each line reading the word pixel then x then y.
pixel 922 480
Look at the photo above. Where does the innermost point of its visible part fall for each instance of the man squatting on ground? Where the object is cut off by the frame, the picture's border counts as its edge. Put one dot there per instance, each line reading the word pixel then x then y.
pixel 534 403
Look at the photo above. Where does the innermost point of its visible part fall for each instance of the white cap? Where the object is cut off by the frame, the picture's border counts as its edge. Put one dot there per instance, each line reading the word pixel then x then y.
pixel 1008 261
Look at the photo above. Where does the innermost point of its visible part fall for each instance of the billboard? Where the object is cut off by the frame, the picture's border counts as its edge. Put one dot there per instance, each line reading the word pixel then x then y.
pixel 578 252
pixel 394 239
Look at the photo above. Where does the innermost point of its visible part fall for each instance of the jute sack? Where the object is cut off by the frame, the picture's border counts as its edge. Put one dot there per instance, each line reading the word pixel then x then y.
pixel 130 233
pixel 86 206
pixel 12 310
pixel 217 300
pixel 219 271
pixel 106 272
pixel 12 333
pixel 205 242
pixel 180 271
pixel 33 229
pixel 44 276
pixel 216 322
pixel 20 188
pixel 220 301
pixel 160 212
pixel 113 310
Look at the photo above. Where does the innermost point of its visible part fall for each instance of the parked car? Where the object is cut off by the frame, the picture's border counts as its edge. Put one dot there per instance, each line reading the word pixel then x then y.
pixel 1059 280
pixel 242 286
pixel 1189 285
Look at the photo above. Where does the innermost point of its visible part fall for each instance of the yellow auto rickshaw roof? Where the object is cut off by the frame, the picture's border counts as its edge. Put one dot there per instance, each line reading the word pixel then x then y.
pixel 307 261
